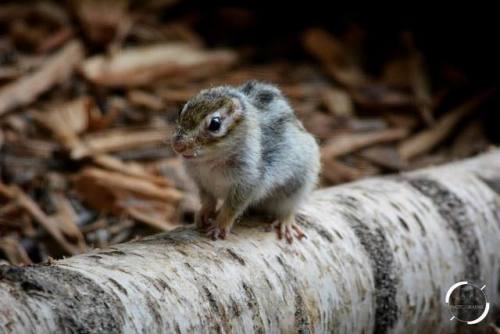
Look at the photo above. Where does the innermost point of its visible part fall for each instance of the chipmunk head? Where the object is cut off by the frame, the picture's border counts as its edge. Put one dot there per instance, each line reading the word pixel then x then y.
pixel 205 122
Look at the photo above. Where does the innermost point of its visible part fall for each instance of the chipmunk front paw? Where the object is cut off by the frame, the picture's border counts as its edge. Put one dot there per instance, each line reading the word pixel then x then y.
pixel 215 232
pixel 205 218
pixel 222 226
pixel 286 227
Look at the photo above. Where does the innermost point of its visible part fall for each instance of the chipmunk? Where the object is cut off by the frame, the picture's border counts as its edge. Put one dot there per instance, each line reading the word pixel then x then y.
pixel 245 145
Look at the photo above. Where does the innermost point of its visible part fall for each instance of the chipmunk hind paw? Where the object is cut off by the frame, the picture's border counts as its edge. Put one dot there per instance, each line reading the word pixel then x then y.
pixel 287 228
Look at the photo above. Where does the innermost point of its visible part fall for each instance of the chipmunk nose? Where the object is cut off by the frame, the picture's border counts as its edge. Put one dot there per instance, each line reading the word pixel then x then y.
pixel 178 144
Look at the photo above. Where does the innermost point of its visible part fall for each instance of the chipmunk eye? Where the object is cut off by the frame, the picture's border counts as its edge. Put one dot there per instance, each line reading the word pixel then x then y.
pixel 214 124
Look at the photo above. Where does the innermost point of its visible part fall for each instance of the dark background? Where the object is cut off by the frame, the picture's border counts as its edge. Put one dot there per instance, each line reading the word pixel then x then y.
pixel 459 38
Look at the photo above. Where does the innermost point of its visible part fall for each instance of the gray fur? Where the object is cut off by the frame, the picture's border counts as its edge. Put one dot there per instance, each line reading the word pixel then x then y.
pixel 268 161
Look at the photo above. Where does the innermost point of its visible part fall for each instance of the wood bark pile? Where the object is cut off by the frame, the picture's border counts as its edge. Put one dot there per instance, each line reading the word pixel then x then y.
pixel 90 91
pixel 379 258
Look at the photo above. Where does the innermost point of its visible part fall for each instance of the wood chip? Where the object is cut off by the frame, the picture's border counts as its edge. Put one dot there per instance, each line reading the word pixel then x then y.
pixel 337 172
pixel 130 168
pixel 54 71
pixel 384 156
pixel 470 141
pixel 9 208
pixel 395 73
pixel 421 88
pixel 320 124
pixel 14 251
pixel 399 120
pixel 332 53
pixel 56 40
pixel 172 168
pixel 143 99
pixel 141 199
pixel 142 65
pixel 119 139
pixel 101 19
pixel 9 73
pixel 177 95
pixel 50 225
pixel 380 96
pixel 67 121
pixel 100 178
pixel 418 78
pixel 66 215
pixel 350 142
pixel 428 139
pixel 154 220
pixel 338 102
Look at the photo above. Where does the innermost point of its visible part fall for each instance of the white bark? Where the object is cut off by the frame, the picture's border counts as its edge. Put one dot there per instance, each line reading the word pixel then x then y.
pixel 379 257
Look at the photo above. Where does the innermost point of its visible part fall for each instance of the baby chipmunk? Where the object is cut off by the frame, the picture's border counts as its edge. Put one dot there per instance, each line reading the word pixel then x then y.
pixel 245 146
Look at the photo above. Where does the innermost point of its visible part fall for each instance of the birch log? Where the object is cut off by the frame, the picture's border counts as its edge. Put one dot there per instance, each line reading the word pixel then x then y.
pixel 379 258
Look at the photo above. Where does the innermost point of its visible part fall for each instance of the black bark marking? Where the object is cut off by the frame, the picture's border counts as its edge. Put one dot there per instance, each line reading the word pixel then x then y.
pixel 493 184
pixel 253 306
pixel 406 254
pixel 211 300
pixel 190 267
pixel 381 256
pixel 498 287
pixel 78 303
pixel 348 201
pixel 304 221
pixel 268 282
pixel 235 256
pixel 118 286
pixel 338 234
pixel 403 223
pixel 163 285
pixel 301 315
pixel 114 253
pixel 178 238
pixel 395 206
pixel 97 257
pixel 219 312
pixel 160 285
pixel 267 263
pixel 183 252
pixel 31 286
pixel 452 209
pixel 282 263
pixel 419 222
pixel 135 254
pixel 235 307
pixel 153 307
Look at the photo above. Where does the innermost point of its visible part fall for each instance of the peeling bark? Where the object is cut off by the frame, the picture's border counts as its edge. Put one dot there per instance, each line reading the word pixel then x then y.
pixel 379 257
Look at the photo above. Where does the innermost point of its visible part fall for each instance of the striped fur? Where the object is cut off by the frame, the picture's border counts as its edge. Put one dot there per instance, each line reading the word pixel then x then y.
pixel 263 159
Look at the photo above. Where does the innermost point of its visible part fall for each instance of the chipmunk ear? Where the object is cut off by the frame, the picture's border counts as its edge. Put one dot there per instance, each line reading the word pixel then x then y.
pixel 236 107
pixel 248 87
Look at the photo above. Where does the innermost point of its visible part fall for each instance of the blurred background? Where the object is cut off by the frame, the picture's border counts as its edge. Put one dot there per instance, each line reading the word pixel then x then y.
pixel 89 92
